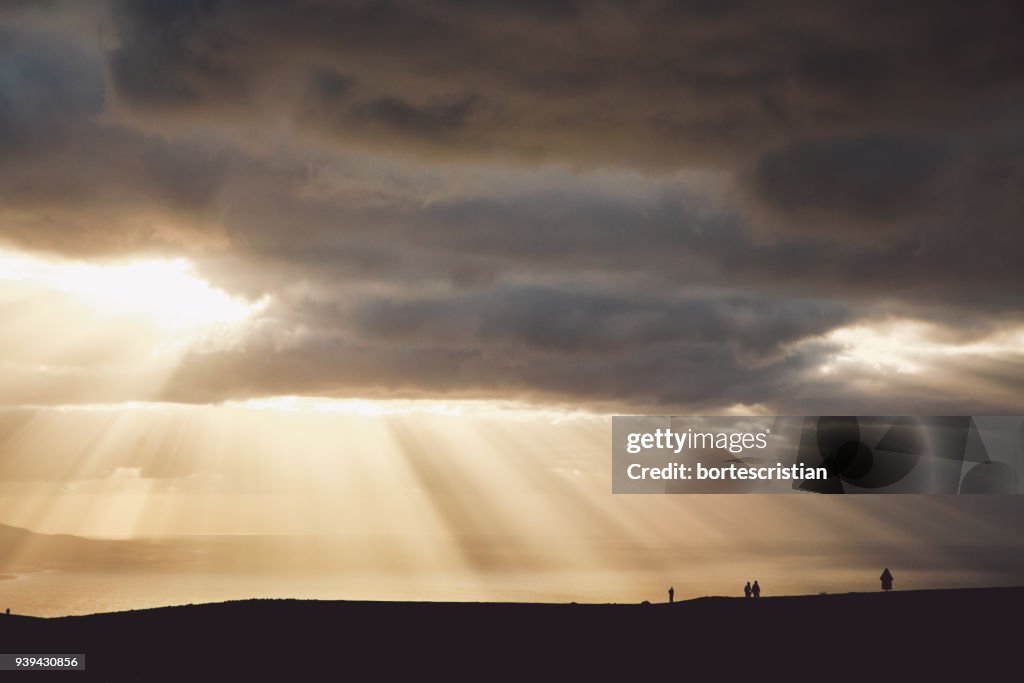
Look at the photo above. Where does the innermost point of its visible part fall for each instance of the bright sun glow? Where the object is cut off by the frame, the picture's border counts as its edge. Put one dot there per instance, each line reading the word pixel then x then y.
pixel 911 346
pixel 166 291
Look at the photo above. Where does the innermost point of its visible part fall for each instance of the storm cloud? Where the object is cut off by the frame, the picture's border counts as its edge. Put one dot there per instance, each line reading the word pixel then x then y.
pixel 696 205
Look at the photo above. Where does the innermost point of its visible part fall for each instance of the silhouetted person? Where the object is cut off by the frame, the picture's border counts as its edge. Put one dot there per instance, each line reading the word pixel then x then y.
pixel 886 578
pixel 747 590
pixel 756 590
pixel 8 610
pixel 671 594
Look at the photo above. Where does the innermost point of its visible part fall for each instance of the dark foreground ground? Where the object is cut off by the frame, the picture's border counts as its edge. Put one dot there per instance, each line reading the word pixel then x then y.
pixel 965 635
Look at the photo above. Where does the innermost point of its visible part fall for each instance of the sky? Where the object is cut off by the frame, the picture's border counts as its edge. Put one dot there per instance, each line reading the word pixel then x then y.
pixel 233 234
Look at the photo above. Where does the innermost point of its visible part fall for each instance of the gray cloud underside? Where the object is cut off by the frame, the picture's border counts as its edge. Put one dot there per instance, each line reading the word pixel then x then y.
pixel 650 202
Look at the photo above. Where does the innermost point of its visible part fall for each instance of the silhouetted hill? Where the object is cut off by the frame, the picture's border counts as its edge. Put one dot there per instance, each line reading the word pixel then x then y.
pixel 916 635
pixel 12 537
pixel 22 545
pixel 20 548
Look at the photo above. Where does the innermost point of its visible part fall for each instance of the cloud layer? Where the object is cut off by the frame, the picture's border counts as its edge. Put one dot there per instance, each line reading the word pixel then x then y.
pixel 697 205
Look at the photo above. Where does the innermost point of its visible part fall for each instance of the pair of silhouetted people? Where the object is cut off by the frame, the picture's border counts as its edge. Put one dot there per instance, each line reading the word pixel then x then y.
pixel 754 590
pixel 886 579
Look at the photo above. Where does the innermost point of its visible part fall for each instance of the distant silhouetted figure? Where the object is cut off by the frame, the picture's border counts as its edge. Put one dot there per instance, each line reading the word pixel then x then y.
pixel 886 578
pixel 747 590
pixel 8 610
pixel 671 594
pixel 756 590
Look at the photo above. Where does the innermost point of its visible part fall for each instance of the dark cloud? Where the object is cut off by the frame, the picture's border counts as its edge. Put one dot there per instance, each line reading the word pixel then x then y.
pixel 872 180
pixel 858 115
pixel 553 320
pixel 48 86
pixel 586 200
pixel 683 377
pixel 434 120
pixel 656 83
pixel 701 377
pixel 72 182
pixel 173 53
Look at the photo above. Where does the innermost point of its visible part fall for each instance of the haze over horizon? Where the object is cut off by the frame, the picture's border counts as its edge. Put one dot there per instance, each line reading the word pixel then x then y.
pixel 383 270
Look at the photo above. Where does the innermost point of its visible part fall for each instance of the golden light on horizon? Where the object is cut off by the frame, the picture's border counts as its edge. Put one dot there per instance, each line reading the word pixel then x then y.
pixel 396 500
